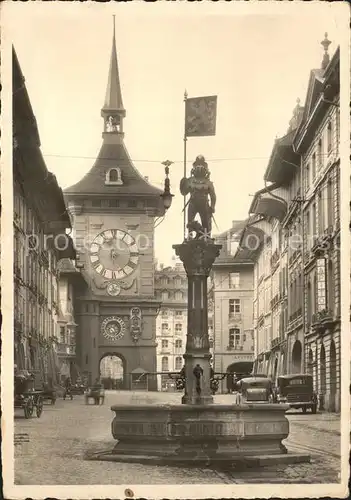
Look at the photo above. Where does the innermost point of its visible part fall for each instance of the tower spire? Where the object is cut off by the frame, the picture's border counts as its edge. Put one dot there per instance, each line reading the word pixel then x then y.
pixel 113 110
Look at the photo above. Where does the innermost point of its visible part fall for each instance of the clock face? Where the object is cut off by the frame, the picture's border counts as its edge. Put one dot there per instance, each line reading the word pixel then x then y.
pixel 114 254
pixel 113 328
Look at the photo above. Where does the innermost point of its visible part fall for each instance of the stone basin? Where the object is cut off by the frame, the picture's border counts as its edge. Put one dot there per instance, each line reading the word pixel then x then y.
pixel 213 432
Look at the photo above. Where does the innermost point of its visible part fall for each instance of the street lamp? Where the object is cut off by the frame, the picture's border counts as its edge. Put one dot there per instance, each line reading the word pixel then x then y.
pixel 166 195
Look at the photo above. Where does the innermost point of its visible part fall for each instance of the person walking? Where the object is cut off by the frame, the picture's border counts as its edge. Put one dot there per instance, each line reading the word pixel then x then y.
pixel 68 388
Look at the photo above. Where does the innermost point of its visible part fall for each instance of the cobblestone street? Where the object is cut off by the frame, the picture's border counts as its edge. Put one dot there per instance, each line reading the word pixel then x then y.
pixel 54 453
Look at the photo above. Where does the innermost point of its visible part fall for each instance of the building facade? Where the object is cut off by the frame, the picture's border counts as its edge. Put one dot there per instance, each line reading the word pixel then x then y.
pixel 296 220
pixel 171 289
pixel 113 209
pixel 70 280
pixel 317 142
pixel 232 292
pixel 40 241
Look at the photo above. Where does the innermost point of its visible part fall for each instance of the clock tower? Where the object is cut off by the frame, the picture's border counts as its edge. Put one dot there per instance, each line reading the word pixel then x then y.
pixel 112 209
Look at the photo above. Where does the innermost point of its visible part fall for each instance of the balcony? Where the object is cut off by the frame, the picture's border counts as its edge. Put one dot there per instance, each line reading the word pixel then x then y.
pixel 322 320
pixel 165 351
pixel 294 256
pixel 297 314
pixel 275 300
pixel 275 342
pixel 322 243
pixel 64 349
pixel 275 258
pixel 235 347
pixel 234 317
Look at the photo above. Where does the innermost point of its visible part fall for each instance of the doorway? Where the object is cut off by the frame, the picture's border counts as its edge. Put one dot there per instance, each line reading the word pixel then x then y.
pixel 112 372
pixel 296 357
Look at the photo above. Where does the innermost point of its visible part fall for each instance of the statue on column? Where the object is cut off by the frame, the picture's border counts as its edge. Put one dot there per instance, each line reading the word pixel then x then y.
pixel 202 198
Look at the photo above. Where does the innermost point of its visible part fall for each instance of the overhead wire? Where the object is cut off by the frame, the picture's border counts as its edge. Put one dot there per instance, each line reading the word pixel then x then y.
pixel 236 158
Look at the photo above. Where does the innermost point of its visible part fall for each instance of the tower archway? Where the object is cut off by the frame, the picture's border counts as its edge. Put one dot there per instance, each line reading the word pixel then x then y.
pixel 296 357
pixel 112 371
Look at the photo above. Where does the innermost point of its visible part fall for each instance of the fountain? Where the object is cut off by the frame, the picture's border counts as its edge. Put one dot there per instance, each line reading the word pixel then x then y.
pixel 198 430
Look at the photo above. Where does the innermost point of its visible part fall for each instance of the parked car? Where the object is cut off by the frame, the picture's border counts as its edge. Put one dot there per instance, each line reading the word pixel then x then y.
pixel 256 389
pixel 78 388
pixel 297 391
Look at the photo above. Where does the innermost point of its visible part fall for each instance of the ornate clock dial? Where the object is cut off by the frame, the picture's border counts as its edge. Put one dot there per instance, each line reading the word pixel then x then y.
pixel 114 254
pixel 113 289
pixel 113 328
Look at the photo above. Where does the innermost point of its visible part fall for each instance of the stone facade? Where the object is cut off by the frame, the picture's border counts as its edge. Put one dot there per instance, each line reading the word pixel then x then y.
pixel 232 295
pixel 40 241
pixel 318 144
pixel 171 288
pixel 297 318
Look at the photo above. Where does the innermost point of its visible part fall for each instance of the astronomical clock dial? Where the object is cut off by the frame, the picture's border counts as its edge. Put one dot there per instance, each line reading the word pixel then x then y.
pixel 113 328
pixel 114 254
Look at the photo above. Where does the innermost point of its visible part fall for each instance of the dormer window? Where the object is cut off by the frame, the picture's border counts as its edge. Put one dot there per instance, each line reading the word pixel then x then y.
pixel 113 177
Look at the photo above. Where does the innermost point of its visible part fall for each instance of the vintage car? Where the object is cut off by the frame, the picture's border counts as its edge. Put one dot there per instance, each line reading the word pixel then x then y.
pixel 297 391
pixel 256 389
pixel 78 388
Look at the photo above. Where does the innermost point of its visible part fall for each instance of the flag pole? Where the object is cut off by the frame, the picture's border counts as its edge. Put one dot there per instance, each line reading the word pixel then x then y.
pixel 184 174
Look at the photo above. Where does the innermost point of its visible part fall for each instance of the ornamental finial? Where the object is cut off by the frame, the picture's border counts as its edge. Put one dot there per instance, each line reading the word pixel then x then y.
pixel 325 43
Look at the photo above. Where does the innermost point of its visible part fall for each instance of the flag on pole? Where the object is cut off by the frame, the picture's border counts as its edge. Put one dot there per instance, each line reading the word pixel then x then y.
pixel 200 116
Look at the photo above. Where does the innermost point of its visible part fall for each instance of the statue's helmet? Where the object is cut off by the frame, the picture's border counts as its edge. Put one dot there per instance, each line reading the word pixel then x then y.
pixel 200 167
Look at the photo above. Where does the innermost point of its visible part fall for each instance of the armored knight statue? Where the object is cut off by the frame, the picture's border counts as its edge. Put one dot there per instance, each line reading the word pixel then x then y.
pixel 202 197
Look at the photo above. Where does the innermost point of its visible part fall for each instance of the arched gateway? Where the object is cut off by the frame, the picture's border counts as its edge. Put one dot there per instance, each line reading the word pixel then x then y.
pixel 112 371
pixel 239 369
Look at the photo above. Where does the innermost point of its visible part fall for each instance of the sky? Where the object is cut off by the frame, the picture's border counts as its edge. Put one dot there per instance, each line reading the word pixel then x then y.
pixel 258 64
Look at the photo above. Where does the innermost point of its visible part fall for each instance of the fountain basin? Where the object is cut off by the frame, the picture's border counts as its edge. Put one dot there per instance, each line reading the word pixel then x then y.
pixel 197 433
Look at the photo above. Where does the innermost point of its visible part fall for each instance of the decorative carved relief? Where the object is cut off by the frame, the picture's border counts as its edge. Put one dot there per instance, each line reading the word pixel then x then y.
pixel 197 256
pixel 113 288
pixel 135 323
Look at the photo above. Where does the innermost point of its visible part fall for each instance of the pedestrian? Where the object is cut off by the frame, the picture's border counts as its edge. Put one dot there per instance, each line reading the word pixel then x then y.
pixel 68 388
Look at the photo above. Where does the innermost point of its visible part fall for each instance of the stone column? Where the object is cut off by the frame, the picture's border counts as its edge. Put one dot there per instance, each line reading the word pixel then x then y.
pixel 198 256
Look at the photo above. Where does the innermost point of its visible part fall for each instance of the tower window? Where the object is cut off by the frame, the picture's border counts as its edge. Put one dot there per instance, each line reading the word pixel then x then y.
pixel 113 177
pixel 112 124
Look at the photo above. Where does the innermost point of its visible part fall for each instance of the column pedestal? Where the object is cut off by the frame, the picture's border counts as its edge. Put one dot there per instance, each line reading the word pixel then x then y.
pixel 198 256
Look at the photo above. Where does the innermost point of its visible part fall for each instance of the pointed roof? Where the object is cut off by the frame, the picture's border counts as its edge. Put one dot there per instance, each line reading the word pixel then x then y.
pixel 113 152
pixel 113 98
pixel 113 155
